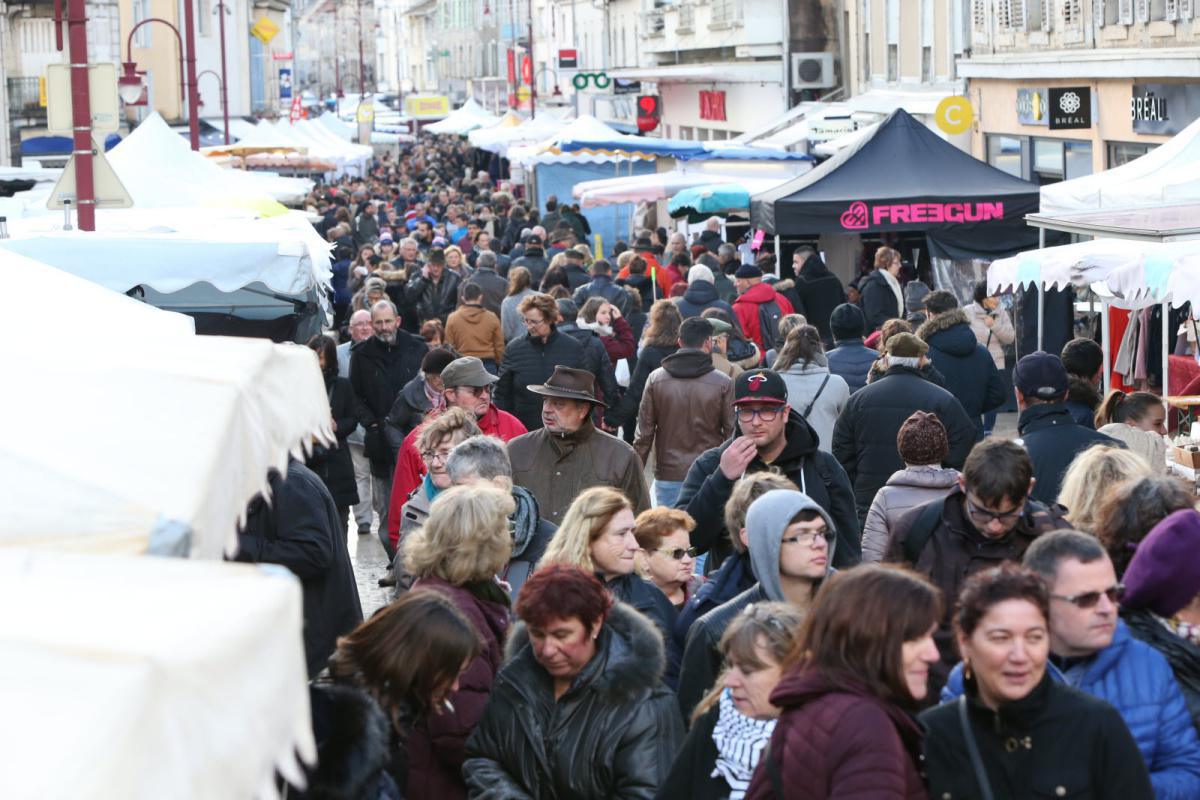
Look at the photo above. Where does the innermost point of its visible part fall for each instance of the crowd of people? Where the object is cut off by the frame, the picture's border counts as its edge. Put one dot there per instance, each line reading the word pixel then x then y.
pixel 660 526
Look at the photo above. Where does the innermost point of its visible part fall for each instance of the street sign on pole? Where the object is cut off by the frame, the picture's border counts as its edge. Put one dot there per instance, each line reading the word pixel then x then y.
pixel 102 89
pixel 264 30
pixel 108 189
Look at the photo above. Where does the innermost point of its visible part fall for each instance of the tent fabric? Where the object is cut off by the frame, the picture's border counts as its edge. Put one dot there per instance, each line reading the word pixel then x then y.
pixel 58 145
pixel 902 177
pixel 500 137
pixel 160 677
pixel 716 153
pixel 699 202
pixel 464 119
pixel 191 425
pixel 757 176
pixel 586 129
pixel 611 223
pixel 1167 175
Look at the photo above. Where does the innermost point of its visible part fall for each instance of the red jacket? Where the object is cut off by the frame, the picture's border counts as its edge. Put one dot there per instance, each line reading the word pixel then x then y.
pixel 837 740
pixel 410 469
pixel 746 308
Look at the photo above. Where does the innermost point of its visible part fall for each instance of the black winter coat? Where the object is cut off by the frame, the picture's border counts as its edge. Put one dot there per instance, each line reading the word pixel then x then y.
pixel 702 657
pixel 1078 747
pixel 820 292
pixel 645 288
pixel 595 359
pixel 648 360
pixel 495 288
pixel 1181 654
pixel 734 576
pixel 577 276
pixel 300 530
pixel 603 286
pixel 1053 440
pixel 878 301
pixel 407 412
pixel 815 472
pixel 968 369
pixel 529 361
pixel 333 465
pixel 612 735
pixel 699 296
pixel 536 262
pixel 377 374
pixel 711 241
pixel 644 596
pixel 359 754
pixel 691 774
pixel 431 300
pixel 864 437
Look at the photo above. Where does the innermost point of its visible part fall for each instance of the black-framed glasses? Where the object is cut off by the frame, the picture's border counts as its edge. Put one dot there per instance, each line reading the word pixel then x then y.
pixel 982 516
pixel 765 414
pixel 809 538
pixel 532 323
pixel 1090 599
pixel 679 553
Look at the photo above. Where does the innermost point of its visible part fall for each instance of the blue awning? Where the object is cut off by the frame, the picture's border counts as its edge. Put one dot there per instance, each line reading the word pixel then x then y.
pixel 58 145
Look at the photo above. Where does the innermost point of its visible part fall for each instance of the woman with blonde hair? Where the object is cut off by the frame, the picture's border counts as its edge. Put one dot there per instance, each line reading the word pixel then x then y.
pixel 457 552
pixel 455 261
pixel 1093 474
pixel 882 297
pixel 597 534
pixel 733 723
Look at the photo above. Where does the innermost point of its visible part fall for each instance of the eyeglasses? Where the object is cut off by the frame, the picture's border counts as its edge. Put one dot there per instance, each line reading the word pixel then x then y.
pixel 810 538
pixel 434 456
pixel 678 553
pixel 1090 599
pixel 765 414
pixel 475 391
pixel 532 323
pixel 982 516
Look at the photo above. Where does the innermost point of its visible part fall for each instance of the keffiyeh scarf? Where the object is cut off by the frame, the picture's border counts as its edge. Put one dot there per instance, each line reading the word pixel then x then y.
pixel 740 743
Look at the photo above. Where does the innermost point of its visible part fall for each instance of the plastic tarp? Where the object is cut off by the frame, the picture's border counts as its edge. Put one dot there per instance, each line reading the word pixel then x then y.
pixel 464 119
pixel 757 176
pixel 698 202
pixel 146 678
pixel 132 436
pixel 903 177
pixel 1167 175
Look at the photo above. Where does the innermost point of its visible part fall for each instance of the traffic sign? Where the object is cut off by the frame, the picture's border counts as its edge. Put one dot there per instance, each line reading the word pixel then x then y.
pixel 106 186
pixel 102 91
pixel 264 30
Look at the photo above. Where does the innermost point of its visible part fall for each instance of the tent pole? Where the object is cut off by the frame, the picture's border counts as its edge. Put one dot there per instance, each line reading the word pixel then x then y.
pixel 1106 346
pixel 778 257
pixel 1166 350
pixel 1041 292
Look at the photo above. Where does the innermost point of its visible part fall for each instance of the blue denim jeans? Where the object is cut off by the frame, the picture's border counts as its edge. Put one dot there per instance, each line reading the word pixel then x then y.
pixel 666 492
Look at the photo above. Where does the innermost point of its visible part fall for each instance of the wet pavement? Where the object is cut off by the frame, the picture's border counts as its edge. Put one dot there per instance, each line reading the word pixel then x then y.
pixel 370 562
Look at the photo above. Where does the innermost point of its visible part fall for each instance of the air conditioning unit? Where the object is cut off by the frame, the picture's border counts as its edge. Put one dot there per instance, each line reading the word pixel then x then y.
pixel 813 71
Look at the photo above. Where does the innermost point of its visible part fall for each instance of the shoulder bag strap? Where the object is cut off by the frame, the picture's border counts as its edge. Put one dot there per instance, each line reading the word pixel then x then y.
pixel 973 749
pixel 809 407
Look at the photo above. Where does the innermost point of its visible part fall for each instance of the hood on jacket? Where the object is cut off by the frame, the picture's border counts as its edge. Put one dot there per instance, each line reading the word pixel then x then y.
pixel 700 293
pixel 801 687
pixel 629 654
pixel 757 294
pixel 814 268
pixel 925 477
pixel 819 366
pixel 767 519
pixel 688 363
pixel 472 313
pixel 949 332
pixel 354 741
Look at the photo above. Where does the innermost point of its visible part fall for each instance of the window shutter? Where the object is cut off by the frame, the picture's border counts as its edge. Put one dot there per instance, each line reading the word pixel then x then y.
pixel 1048 15
pixel 1142 7
pixel 979 21
pixel 1125 9
pixel 1185 10
pixel 1004 14
pixel 1170 10
pixel 1019 16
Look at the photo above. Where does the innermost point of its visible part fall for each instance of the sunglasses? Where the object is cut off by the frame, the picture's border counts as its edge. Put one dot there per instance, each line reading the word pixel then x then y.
pixel 1090 599
pixel 679 552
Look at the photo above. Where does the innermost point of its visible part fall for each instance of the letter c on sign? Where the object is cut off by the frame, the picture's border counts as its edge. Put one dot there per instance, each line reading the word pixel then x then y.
pixel 954 115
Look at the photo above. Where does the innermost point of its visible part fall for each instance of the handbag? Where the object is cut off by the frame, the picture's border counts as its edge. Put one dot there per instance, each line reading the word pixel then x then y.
pixel 985 788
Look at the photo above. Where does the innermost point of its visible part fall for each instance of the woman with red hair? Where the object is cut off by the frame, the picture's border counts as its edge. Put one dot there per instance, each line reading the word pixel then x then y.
pixel 578 710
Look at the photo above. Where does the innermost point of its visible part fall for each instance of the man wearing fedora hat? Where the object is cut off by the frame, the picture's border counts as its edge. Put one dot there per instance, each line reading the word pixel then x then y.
pixel 568 454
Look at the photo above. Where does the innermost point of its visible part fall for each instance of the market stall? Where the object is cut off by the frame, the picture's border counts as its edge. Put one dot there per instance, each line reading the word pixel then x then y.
pixel 464 119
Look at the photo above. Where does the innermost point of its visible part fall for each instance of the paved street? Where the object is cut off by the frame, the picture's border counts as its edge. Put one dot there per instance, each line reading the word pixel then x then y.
pixel 370 562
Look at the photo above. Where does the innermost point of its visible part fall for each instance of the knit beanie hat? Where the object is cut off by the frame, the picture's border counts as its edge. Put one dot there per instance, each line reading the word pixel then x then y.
pixel 847 322
pixel 700 273
pixel 922 439
pixel 1164 574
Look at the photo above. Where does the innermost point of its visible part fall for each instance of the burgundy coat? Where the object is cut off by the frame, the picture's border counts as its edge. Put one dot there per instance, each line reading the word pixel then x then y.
pixel 836 740
pixel 437 742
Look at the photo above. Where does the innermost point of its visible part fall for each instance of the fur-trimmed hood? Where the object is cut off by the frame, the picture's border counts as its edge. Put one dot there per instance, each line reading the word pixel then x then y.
pixel 942 322
pixel 629 654
pixel 949 332
pixel 354 743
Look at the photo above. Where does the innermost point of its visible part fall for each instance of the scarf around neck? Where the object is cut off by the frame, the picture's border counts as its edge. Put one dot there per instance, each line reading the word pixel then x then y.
pixel 740 742
pixel 894 284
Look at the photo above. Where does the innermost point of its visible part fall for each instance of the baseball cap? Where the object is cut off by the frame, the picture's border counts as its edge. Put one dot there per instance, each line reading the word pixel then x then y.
pixel 1041 375
pixel 759 386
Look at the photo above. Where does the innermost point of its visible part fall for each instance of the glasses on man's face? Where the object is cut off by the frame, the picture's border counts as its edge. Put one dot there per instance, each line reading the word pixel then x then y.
pixel 532 323
pixel 476 391
pixel 679 553
pixel 764 414
pixel 435 456
pixel 983 516
pixel 1090 599
pixel 809 538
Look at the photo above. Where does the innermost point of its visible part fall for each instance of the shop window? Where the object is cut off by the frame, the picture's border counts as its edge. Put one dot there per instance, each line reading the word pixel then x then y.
pixel 1077 159
pixel 1123 152
pixel 1004 153
pixel 685 132
pixel 893 74
pixel 1047 161
pixel 927 65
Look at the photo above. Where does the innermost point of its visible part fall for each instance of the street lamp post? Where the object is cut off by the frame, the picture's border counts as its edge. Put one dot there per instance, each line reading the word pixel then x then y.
pixel 130 85
pixel 81 115
pixel 224 74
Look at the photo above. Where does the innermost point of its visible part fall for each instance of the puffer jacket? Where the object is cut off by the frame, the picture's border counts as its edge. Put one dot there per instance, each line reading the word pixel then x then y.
pixel 472 330
pixel 612 735
pixel 686 408
pixel 529 361
pixel 433 300
pixel 746 309
pixel 807 384
pixel 864 438
pixel 994 338
pixel 1135 679
pixel 835 739
pixel 968 368
pixel 437 742
pixel 852 360
pixel 700 295
pixel 821 292
pixel 603 286
pixel 907 488
pixel 1181 654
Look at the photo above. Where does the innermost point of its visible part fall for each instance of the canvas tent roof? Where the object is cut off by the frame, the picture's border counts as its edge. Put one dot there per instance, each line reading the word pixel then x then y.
pixel 467 117
pixel 903 177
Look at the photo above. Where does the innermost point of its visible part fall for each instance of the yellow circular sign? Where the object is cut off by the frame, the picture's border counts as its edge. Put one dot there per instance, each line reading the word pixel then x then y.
pixel 954 115
pixel 523 93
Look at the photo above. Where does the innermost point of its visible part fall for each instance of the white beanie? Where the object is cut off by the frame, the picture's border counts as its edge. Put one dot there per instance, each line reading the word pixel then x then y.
pixel 700 273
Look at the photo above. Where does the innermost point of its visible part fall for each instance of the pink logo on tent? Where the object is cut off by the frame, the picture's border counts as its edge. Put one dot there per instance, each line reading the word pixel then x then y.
pixel 860 217
pixel 855 217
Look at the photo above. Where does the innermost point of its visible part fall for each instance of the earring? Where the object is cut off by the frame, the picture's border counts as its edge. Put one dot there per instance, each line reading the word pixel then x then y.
pixel 966 671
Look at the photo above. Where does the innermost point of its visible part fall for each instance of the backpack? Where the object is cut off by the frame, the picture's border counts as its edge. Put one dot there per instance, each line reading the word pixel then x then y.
pixel 769 314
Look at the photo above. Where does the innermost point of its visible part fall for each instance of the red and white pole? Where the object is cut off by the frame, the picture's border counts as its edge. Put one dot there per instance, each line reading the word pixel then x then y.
pixel 81 114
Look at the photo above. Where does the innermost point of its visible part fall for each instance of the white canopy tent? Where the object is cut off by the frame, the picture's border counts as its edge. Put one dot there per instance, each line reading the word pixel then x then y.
pixel 155 439
pixel 148 677
pixel 464 119
pixel 755 176
pixel 585 128
pixel 500 137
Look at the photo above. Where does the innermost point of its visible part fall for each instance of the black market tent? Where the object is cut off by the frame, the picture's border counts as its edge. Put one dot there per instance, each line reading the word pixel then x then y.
pixel 902 177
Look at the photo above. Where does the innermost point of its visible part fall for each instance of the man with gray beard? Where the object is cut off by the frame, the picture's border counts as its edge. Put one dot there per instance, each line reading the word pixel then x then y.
pixel 379 369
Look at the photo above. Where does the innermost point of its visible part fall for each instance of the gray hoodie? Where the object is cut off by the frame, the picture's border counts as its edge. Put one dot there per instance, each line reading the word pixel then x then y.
pixel 767 519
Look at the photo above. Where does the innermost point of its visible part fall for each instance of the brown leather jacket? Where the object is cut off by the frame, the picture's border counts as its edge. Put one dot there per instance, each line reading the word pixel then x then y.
pixel 687 408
